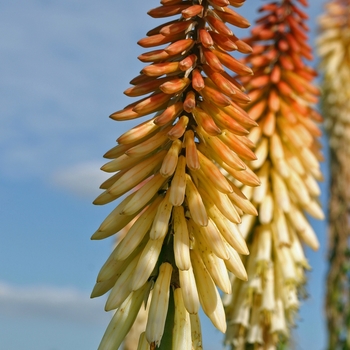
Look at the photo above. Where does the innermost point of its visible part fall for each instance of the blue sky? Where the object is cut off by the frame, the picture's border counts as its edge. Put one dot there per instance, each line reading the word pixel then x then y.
pixel 63 66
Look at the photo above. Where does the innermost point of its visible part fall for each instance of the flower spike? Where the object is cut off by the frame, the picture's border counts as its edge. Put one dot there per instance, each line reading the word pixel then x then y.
pixel 332 44
pixel 179 222
pixel 260 311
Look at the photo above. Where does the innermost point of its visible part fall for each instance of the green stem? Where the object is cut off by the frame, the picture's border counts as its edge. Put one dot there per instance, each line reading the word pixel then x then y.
pixel 167 339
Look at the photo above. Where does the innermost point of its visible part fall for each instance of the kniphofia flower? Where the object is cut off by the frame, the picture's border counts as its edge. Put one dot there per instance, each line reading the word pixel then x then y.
pixel 261 310
pixel 181 212
pixel 333 47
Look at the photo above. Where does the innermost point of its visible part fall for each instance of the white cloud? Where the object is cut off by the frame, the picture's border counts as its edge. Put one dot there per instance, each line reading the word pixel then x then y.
pixel 51 303
pixel 82 179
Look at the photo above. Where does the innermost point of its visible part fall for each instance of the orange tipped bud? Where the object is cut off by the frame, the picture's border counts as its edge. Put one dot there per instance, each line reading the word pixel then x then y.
pixel 188 62
pixel 159 39
pixel 223 41
pixel 205 38
pixel 152 103
pixel 215 96
pixel 167 11
pixel 150 145
pixel 220 199
pixel 214 175
pixel 179 128
pixel 206 122
pixel 179 46
pixel 243 47
pixel 218 81
pixel 169 114
pixel 158 69
pixel 191 150
pixel 157 29
pixel 138 132
pixel 221 150
pixel 222 119
pixel 153 56
pixel 239 115
pixel 212 60
pixel 234 143
pixel 218 25
pixel 175 28
pixel 232 64
pixel 117 151
pixel 190 101
pixel 126 114
pixel 192 11
pixel 247 176
pixel 140 79
pixel 232 17
pixel 238 85
pixel 145 88
pixel 120 163
pixel 175 85
pixel 197 80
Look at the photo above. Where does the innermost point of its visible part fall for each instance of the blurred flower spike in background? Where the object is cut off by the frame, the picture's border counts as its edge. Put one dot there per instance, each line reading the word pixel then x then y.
pixel 262 310
pixel 333 48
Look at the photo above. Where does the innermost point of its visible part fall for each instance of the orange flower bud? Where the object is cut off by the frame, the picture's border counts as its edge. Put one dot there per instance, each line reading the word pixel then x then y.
pixel 190 101
pixel 167 11
pixel 175 28
pixel 159 39
pixel 218 25
pixel 153 56
pixel 179 46
pixel 175 85
pixel 158 69
pixel 232 17
pixel 169 114
pixel 192 11
pixel 197 80
pixel 206 122
pixel 223 41
pixel 205 38
pixel 188 62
